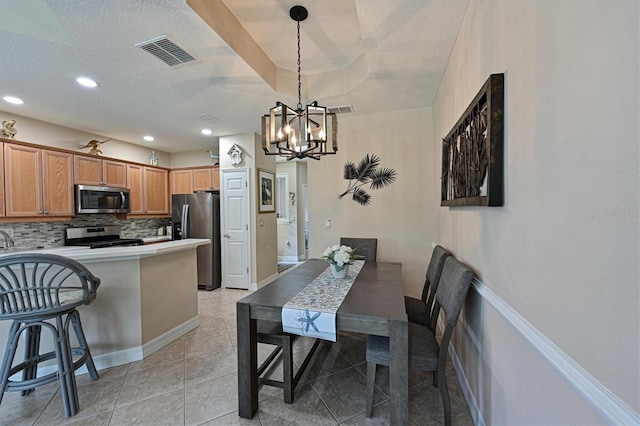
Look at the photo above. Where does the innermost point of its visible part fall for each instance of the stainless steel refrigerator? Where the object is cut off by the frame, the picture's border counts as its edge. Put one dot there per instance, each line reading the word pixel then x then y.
pixel 197 215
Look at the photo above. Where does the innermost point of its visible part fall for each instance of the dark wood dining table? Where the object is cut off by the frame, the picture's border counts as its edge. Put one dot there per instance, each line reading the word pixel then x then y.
pixel 374 305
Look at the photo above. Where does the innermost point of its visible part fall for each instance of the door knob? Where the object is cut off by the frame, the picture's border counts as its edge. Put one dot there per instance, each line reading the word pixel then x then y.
pixel 227 236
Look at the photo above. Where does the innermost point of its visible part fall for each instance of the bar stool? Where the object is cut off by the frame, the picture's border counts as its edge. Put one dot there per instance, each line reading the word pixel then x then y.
pixel 35 288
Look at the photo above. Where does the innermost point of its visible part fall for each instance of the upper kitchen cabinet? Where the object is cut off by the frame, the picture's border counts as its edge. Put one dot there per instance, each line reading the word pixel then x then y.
pixel 149 190
pixel 181 181
pixel 206 179
pixel 98 172
pixel 38 182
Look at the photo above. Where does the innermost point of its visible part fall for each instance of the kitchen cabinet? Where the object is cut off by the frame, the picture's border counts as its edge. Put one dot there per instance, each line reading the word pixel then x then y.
pixel 206 179
pixel 38 182
pixel 98 172
pixel 181 181
pixel 148 189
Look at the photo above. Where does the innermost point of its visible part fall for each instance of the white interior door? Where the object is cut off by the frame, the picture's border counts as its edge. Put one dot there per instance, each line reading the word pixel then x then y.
pixel 234 202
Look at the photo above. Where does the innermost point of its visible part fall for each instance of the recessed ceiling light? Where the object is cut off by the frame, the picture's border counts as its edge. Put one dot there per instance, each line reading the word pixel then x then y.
pixel 13 100
pixel 148 138
pixel 86 82
pixel 206 131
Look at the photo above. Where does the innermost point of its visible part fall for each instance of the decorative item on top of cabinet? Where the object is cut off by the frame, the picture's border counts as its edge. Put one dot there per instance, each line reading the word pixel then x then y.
pixel 99 172
pixel 38 182
pixel 8 131
pixel 95 146
pixel 148 190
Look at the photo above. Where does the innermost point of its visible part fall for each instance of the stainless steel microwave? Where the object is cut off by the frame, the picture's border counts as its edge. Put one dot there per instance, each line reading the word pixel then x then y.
pixel 102 199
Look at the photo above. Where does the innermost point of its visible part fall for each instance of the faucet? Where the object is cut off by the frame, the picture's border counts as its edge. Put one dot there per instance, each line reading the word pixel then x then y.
pixel 8 242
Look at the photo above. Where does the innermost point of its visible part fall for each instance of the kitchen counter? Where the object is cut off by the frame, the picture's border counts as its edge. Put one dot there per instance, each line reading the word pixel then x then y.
pixel 148 297
pixel 87 255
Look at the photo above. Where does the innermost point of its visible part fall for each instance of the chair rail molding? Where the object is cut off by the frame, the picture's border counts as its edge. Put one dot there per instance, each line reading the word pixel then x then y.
pixel 594 393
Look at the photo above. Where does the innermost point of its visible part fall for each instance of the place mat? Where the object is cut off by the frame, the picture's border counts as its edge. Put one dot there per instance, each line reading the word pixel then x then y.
pixel 312 312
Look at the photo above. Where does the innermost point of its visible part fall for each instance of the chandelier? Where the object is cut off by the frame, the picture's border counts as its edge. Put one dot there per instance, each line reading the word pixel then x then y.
pixel 301 133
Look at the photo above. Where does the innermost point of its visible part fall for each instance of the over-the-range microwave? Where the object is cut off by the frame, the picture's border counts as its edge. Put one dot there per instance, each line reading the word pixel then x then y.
pixel 102 199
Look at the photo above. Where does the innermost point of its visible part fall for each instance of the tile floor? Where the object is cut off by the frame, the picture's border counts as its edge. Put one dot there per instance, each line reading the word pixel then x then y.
pixel 193 381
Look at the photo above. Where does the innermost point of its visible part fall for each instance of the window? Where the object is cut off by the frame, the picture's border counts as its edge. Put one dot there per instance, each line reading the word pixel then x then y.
pixel 282 194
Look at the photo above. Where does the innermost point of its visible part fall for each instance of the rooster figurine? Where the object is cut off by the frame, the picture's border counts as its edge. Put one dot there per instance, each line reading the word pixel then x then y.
pixel 95 146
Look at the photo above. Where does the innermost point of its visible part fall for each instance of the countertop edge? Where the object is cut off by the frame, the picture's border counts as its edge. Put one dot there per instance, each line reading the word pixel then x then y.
pixel 119 253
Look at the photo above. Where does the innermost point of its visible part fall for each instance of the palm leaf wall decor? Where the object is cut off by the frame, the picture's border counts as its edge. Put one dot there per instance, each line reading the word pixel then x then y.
pixel 366 172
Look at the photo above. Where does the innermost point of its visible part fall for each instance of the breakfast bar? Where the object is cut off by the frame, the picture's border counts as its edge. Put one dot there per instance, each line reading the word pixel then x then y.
pixel 147 298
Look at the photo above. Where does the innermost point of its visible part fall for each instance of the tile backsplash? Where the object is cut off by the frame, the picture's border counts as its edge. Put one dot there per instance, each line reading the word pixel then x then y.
pixel 51 234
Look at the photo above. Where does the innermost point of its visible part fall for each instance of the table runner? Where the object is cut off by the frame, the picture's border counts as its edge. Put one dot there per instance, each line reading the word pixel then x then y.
pixel 312 312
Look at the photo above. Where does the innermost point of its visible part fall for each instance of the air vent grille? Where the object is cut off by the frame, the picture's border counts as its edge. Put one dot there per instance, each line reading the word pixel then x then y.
pixel 340 109
pixel 167 51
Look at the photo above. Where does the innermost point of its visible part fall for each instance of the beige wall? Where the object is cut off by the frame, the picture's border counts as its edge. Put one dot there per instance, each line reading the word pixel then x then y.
pixel 563 253
pixel 43 133
pixel 401 216
pixel 193 158
pixel 167 281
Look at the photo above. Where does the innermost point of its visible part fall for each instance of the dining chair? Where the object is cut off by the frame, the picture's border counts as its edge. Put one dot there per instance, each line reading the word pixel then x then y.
pixel 271 333
pixel 419 310
pixel 43 291
pixel 366 248
pixel 425 353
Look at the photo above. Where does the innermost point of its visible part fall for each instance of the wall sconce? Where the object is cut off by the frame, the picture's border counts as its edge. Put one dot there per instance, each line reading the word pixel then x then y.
pixel 292 198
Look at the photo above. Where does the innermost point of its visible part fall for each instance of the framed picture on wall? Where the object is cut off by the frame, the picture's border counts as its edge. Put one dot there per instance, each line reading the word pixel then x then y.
pixel 266 192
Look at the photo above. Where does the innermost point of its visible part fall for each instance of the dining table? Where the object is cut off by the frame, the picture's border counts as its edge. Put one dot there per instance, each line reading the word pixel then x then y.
pixel 373 305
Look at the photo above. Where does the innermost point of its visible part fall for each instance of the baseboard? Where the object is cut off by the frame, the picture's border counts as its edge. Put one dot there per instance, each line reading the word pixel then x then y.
pixel 594 393
pixel 288 259
pixel 269 279
pixel 175 333
pixel 137 353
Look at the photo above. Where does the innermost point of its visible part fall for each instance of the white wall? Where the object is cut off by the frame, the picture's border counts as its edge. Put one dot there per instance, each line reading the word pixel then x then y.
pixel 563 253
pixel 401 216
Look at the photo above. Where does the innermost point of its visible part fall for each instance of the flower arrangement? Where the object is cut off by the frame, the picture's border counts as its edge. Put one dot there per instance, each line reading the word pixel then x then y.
pixel 338 255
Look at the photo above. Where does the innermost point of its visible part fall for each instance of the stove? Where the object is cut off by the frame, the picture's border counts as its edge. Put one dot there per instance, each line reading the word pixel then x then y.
pixel 98 237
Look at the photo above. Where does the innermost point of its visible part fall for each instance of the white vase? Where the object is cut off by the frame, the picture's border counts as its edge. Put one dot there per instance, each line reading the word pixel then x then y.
pixel 339 274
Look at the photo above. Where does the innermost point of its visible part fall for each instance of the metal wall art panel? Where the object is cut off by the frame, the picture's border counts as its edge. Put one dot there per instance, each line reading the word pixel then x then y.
pixel 472 152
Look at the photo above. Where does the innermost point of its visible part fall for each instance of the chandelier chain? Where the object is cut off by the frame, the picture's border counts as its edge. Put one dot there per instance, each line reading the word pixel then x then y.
pixel 299 84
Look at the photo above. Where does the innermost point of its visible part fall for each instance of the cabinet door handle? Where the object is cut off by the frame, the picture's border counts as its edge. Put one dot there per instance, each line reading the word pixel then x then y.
pixel 227 236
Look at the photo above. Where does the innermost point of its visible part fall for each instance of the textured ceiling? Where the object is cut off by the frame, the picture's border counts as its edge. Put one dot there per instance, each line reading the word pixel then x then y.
pixel 376 55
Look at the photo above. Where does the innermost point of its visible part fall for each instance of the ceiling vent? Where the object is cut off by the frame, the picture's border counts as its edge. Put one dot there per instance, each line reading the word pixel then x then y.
pixel 208 117
pixel 340 109
pixel 165 49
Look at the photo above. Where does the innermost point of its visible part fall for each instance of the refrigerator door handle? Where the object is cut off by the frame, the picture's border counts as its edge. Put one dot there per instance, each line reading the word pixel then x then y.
pixel 185 222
